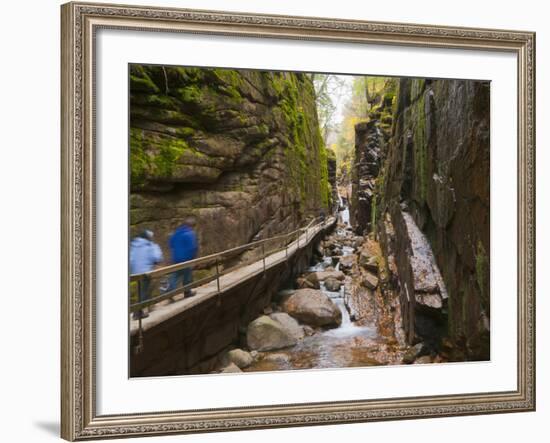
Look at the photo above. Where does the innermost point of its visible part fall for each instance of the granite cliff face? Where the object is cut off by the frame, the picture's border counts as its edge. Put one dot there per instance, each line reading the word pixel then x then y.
pixel 240 150
pixel 371 140
pixel 428 203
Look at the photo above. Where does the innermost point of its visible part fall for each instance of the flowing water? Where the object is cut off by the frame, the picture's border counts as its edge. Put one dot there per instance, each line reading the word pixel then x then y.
pixel 343 214
pixel 349 345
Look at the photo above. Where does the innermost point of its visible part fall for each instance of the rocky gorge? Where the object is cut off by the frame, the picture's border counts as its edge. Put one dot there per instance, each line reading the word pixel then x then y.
pixel 426 200
pixel 402 275
pixel 238 149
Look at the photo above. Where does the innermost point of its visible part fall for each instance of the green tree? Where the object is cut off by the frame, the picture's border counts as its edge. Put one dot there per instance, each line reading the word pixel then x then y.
pixel 329 90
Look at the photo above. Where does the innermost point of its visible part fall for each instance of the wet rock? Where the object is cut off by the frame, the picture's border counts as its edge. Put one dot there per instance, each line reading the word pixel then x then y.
pixel 412 353
pixel 314 280
pixel 423 360
pixel 230 368
pixel 368 262
pixel 323 275
pixel 370 281
pixel 357 241
pixel 313 307
pixel 281 296
pixel 332 284
pixel 265 334
pixel 277 358
pixel 427 277
pixel 290 324
pixel 318 250
pixel 238 357
pixel 302 283
pixel 432 301
pixel 308 330
pixel 346 262
pixel 448 199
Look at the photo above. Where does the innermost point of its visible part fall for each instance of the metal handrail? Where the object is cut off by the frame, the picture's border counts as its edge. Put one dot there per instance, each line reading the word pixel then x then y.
pixel 215 259
pixel 208 258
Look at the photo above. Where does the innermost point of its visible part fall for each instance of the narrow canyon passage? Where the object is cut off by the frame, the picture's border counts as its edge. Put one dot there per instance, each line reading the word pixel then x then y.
pixel 357 340
pixel 251 157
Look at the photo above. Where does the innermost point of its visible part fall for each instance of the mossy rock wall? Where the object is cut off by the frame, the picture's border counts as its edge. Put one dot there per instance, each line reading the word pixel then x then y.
pixel 437 169
pixel 367 172
pixel 239 149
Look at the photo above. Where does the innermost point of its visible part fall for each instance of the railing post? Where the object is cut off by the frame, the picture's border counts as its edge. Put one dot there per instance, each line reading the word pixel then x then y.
pixel 286 248
pixel 263 255
pixel 218 273
pixel 139 348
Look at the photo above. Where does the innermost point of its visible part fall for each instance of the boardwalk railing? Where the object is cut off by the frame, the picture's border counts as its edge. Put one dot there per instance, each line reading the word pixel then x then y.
pixel 219 264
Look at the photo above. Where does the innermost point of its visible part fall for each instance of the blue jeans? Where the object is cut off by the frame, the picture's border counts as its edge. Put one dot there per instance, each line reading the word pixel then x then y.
pixel 176 277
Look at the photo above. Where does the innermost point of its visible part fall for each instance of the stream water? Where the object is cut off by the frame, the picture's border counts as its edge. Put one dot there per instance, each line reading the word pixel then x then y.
pixel 349 345
pixel 344 214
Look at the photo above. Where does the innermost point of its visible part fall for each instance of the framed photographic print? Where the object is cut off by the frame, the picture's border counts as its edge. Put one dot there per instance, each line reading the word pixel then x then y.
pixel 281 221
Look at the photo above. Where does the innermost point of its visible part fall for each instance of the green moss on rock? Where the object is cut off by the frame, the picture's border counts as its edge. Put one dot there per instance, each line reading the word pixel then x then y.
pixel 189 125
pixel 482 268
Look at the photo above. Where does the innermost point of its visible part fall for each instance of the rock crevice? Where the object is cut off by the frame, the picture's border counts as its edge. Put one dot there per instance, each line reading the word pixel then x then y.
pixel 427 201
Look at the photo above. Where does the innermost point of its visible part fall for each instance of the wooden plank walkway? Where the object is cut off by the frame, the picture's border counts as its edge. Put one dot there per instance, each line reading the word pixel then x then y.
pixel 166 310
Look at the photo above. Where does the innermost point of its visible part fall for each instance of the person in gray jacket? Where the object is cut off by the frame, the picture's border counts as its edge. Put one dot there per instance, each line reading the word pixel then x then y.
pixel 144 255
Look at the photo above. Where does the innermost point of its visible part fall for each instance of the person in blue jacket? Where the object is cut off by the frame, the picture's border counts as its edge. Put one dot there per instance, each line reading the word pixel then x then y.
pixel 184 247
pixel 144 255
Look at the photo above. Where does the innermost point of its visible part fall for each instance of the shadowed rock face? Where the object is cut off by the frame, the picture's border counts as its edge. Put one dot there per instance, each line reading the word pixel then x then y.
pixel 331 168
pixel 421 184
pixel 366 167
pixel 437 179
pixel 371 138
pixel 240 150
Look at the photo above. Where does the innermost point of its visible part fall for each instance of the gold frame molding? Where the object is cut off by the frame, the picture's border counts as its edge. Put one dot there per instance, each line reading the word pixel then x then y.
pixel 79 22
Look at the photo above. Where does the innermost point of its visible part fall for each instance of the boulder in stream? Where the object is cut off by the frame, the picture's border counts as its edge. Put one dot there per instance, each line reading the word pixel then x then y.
pixel 313 307
pixel 423 360
pixel 370 281
pixel 332 284
pixel 412 353
pixel 323 275
pixel 238 357
pixel 231 367
pixel 314 280
pixel 346 262
pixel 302 283
pixel 290 324
pixel 266 334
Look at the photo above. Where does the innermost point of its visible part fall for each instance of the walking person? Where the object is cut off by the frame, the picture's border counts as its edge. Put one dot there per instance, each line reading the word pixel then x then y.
pixel 184 247
pixel 144 255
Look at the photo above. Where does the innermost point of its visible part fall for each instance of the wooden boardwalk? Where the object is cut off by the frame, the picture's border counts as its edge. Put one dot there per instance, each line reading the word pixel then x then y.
pixel 167 309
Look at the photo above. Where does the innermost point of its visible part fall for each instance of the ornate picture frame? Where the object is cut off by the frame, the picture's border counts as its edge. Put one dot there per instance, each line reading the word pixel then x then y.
pixel 80 22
